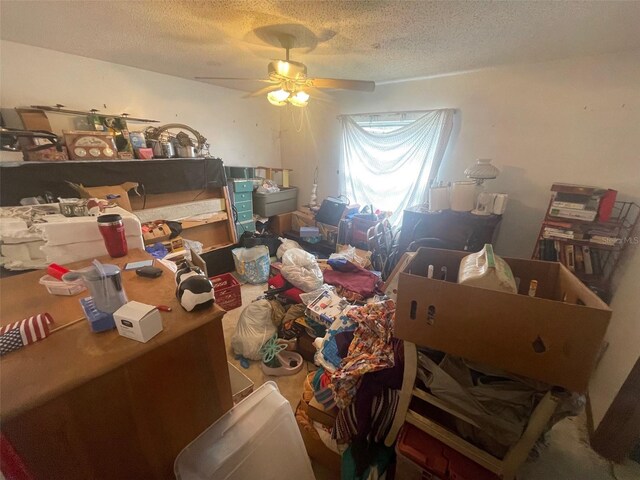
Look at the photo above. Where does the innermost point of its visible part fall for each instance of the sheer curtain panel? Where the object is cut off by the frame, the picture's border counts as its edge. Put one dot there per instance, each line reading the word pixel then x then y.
pixel 393 170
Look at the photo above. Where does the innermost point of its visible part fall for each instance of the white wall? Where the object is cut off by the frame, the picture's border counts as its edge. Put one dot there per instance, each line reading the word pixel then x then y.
pixel 240 131
pixel 575 121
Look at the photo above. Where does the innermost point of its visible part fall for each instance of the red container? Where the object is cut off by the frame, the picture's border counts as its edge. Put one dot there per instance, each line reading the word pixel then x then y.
pixel 227 291
pixel 112 230
pixel 57 271
pixel 421 456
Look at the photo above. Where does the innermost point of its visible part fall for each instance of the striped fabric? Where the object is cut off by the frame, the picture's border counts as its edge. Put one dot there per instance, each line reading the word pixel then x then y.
pixel 383 411
pixel 24 332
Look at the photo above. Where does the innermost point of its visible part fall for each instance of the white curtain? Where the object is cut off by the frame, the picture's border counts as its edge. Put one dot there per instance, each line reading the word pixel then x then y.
pixel 393 170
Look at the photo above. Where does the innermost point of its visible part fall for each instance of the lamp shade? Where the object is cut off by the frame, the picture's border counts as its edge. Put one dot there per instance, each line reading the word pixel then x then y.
pixel 278 97
pixel 300 99
pixel 482 170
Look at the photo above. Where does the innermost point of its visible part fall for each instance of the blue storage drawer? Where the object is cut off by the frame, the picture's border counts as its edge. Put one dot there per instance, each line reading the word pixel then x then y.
pixel 243 186
pixel 244 206
pixel 245 217
pixel 242 197
pixel 245 227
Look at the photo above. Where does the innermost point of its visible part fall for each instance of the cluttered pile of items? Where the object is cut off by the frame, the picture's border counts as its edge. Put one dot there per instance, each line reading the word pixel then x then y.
pixel 98 136
pixel 410 374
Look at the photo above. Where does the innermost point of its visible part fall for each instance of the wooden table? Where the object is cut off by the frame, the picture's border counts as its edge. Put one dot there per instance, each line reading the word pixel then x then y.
pixel 84 405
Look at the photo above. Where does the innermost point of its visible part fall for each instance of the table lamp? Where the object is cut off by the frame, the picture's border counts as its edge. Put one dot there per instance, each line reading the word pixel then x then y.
pixel 482 170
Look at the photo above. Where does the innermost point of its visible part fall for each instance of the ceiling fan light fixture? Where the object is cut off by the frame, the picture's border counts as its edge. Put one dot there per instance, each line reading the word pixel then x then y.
pixel 278 97
pixel 300 99
pixel 282 68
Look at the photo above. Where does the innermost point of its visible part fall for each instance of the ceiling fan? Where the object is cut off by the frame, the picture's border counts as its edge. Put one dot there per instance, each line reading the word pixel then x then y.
pixel 289 83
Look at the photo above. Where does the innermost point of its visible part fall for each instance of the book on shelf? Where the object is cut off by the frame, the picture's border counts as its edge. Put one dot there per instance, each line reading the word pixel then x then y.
pixel 570 257
pixel 575 201
pixel 550 232
pixel 588 265
pixel 605 240
pixel 578 258
pixel 585 215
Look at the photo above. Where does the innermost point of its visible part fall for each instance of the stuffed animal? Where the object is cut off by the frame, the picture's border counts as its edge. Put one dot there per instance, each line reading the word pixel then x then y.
pixel 194 290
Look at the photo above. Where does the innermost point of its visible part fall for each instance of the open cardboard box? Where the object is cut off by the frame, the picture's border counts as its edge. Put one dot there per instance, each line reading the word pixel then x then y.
pixel 554 337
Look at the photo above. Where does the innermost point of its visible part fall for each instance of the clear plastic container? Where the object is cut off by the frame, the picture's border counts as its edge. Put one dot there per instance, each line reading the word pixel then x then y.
pixel 256 439
pixel 56 287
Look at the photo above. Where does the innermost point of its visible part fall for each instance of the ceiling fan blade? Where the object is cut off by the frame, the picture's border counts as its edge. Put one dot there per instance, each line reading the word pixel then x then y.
pixel 318 94
pixel 362 85
pixel 262 91
pixel 235 79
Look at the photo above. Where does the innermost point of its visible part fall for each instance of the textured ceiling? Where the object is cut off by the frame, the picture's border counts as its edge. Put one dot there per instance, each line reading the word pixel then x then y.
pixel 368 40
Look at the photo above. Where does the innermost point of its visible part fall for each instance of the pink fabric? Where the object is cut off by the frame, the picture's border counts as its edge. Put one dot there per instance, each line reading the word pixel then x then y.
pixel 353 278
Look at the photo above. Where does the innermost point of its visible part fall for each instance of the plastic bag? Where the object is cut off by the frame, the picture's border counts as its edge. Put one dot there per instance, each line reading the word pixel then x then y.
pixel 485 269
pixel 252 264
pixel 301 269
pixel 287 244
pixel 253 329
pixel 268 186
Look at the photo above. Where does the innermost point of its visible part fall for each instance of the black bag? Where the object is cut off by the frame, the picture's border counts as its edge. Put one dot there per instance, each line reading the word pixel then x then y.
pixel 251 239
pixel 331 211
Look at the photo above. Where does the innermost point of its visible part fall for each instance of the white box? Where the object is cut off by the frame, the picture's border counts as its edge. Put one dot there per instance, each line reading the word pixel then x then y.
pixel 326 308
pixel 138 321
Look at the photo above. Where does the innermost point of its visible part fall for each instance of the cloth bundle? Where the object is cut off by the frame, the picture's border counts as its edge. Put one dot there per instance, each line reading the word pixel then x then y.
pixel 369 351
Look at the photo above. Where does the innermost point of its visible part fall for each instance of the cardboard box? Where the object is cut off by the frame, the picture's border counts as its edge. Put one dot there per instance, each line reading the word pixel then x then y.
pixel 317 450
pixel 138 321
pixel 554 337
pixel 302 218
pixel 317 412
pixel 279 224
pixel 326 308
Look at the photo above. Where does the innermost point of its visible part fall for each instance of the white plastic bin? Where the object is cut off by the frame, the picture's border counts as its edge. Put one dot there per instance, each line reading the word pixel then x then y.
pixel 256 439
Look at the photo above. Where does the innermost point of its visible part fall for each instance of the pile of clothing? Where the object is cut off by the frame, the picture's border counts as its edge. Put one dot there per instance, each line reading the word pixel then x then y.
pixel 332 313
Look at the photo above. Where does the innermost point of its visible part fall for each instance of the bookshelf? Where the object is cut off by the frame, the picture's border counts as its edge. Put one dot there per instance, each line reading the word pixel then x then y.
pixel 591 249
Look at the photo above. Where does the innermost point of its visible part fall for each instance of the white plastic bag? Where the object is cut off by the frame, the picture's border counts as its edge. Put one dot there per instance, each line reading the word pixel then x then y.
pixel 301 269
pixel 252 264
pixel 287 244
pixel 268 186
pixel 253 329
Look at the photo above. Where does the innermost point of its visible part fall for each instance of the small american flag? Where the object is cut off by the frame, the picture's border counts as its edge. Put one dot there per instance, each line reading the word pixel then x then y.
pixel 24 332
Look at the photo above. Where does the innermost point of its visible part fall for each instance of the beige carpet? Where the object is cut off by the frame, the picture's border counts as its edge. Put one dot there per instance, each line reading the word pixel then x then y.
pixel 290 386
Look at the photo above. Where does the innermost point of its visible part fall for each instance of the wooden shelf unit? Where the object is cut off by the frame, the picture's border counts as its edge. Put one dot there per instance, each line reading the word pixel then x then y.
pixel 505 467
pixel 217 231
pixel 605 257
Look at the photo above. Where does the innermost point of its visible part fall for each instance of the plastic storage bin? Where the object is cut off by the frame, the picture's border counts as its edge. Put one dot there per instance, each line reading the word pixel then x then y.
pixel 258 438
pixel 276 203
pixel 56 287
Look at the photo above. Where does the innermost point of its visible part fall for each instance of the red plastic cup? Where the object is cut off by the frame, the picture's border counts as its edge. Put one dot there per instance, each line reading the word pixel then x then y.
pixel 112 230
pixel 56 271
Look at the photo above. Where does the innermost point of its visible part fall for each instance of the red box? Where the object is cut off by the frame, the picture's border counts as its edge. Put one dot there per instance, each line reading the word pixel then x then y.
pixel 227 291
pixel 420 456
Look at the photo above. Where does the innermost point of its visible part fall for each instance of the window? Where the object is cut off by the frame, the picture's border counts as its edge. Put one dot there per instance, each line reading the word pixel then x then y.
pixel 389 163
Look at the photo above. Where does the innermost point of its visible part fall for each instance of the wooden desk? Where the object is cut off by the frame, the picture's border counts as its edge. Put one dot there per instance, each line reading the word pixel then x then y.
pixel 84 405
